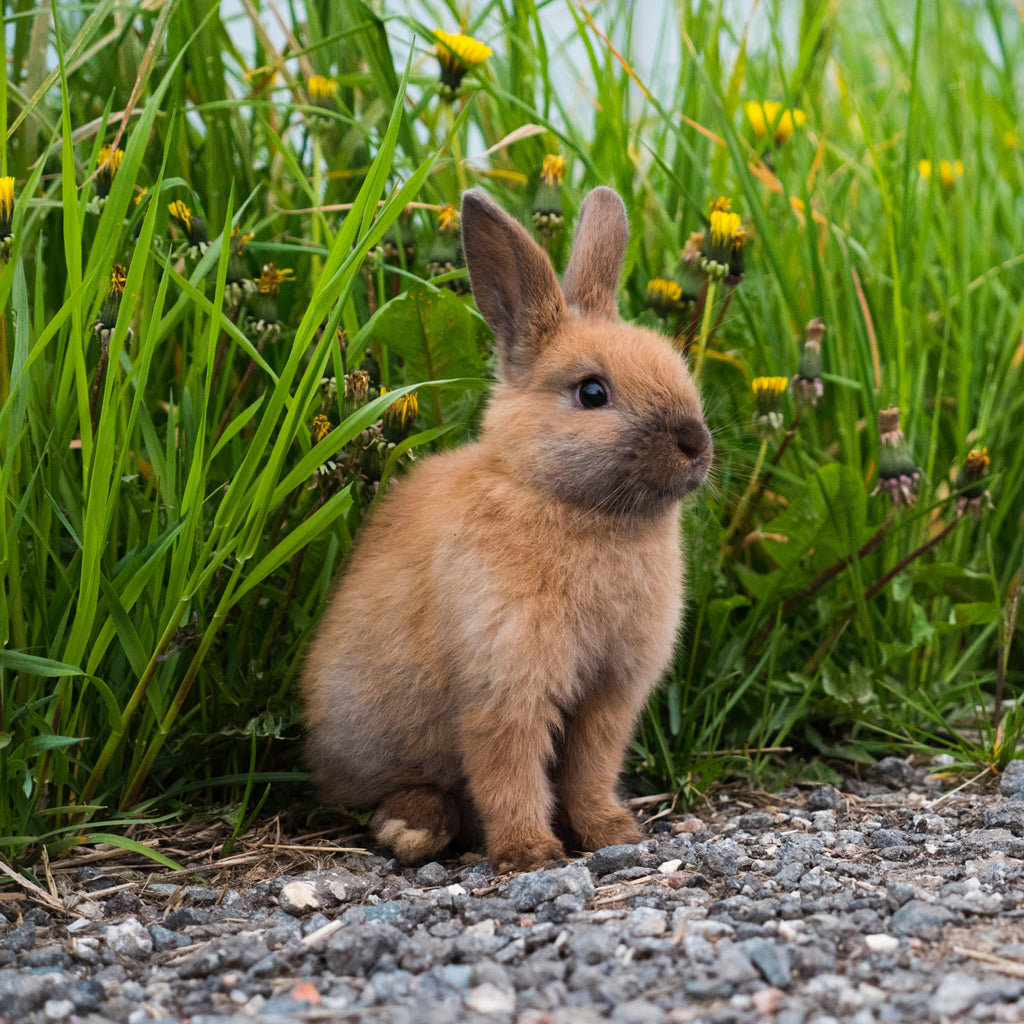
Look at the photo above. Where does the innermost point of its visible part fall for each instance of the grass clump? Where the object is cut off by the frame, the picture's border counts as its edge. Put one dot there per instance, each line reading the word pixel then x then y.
pixel 229 260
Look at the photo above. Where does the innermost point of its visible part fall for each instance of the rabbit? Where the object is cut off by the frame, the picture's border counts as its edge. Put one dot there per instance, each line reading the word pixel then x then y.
pixel 511 604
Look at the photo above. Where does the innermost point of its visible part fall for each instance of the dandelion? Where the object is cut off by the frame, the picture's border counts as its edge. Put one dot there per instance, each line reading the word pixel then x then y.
pixel 972 495
pixel 547 204
pixel 107 317
pixel 807 383
pixel 768 398
pixel 457 54
pixel 357 385
pixel 321 92
pixel 262 321
pixel 400 416
pixel 898 474
pixel 721 254
pixel 6 217
pixel 103 328
pixel 949 172
pixel 106 167
pixel 196 235
pixel 445 254
pixel 239 284
pixel 769 115
pixel 321 428
pixel 664 296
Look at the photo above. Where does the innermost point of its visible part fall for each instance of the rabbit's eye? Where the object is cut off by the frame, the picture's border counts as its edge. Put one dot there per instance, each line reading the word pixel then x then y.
pixel 592 393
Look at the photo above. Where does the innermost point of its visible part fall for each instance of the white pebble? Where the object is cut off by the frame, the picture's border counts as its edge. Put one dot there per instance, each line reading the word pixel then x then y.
pixel 881 943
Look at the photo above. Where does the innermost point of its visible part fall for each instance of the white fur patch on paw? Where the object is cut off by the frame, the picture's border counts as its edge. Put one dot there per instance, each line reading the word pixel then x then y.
pixel 410 844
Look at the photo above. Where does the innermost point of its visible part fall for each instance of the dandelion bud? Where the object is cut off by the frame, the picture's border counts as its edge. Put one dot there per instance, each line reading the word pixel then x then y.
pixel 6 217
pixel 196 235
pixel 262 320
pixel 445 254
pixel 663 296
pixel 107 318
pixel 721 254
pixel 457 54
pixel 807 384
pixel 898 474
pixel 357 384
pixel 400 416
pixel 239 284
pixel 547 204
pixel 973 496
pixel 768 398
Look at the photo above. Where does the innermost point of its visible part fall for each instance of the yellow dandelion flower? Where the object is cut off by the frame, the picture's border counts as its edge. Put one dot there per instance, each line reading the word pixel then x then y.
pixel 769 115
pixel 949 171
pixel 721 253
pixel 321 428
pixel 399 417
pixel 553 169
pixel 272 277
pixel 321 90
pixel 768 398
pixel 457 54
pixel 6 207
pixel 448 218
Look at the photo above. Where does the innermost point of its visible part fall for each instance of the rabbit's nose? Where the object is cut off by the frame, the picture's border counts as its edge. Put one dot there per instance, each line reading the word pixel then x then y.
pixel 694 439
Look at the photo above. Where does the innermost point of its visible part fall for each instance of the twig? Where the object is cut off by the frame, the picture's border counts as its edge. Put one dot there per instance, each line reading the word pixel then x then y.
pixel 998 963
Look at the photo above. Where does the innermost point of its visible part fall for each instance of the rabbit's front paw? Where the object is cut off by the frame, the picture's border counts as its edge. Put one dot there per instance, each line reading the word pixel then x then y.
pixel 598 827
pixel 526 854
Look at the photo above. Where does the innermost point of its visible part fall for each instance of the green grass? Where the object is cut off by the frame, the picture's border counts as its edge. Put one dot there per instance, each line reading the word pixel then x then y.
pixel 167 543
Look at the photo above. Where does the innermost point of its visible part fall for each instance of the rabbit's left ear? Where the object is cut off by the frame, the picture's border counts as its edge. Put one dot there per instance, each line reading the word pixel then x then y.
pixel 591 280
pixel 513 282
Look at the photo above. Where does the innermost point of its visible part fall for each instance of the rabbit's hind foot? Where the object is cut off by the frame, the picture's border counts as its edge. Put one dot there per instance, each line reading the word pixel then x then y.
pixel 416 823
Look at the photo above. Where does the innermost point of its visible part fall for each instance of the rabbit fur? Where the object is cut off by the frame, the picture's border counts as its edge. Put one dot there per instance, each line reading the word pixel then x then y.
pixel 511 604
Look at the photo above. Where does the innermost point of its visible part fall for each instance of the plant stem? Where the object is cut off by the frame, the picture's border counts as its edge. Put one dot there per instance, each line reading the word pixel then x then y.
pixel 873 591
pixel 705 327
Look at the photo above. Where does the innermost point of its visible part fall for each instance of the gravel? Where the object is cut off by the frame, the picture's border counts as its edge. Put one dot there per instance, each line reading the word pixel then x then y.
pixel 883 900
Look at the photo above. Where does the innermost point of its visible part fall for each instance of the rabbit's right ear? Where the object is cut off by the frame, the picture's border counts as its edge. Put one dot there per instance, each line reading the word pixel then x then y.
pixel 513 282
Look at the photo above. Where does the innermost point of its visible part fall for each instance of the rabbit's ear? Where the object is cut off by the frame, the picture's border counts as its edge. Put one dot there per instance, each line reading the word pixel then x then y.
pixel 513 282
pixel 591 280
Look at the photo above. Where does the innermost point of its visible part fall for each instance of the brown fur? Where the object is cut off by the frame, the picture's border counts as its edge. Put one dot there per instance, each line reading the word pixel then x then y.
pixel 512 603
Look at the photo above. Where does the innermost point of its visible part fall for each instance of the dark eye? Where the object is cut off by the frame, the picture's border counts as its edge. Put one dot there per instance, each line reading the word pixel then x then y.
pixel 592 393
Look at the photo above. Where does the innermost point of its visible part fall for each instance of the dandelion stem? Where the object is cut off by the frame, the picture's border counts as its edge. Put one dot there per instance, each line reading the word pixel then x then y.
pixel 739 516
pixel 5 366
pixel 705 327
pixel 318 180
pixel 456 143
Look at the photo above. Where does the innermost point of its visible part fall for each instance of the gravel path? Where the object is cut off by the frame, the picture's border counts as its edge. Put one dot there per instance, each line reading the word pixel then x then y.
pixel 887 901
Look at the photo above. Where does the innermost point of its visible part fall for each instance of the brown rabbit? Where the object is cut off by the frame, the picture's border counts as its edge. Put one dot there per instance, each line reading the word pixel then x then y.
pixel 510 606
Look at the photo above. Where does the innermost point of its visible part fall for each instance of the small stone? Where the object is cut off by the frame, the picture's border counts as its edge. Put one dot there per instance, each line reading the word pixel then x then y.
pixel 925 920
pixel 58 1009
pixel 893 772
pixel 881 943
pixel 432 874
pixel 1009 813
pixel 529 890
pixel 771 959
pixel 298 898
pixel 647 922
pixel 129 939
pixel 766 1001
pixel 689 827
pixel 957 993
pixel 614 858
pixel 1011 780
pixel 489 998
pixel 670 867
pixel 822 798
pixel 723 858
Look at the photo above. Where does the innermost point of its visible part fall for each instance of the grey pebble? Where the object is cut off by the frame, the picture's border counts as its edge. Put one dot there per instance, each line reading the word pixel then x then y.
pixel 529 890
